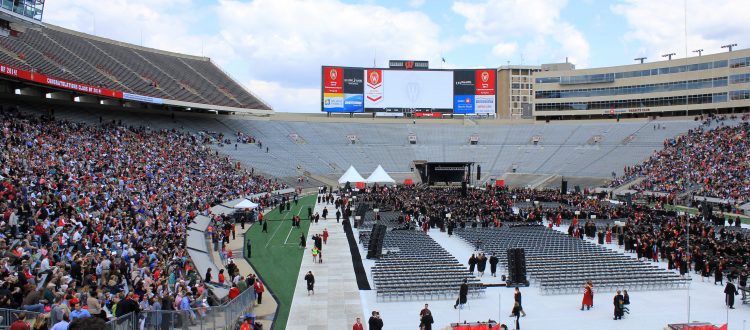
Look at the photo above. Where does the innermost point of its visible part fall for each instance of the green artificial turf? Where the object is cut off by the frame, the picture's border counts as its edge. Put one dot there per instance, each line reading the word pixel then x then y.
pixel 277 256
pixel 694 211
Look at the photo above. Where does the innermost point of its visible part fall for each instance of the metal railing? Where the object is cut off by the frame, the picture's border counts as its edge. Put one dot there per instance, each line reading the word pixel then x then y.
pixel 225 316
pixel 8 316
pixel 125 322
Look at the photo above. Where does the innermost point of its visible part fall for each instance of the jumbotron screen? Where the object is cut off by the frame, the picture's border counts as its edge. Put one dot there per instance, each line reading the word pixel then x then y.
pixel 408 91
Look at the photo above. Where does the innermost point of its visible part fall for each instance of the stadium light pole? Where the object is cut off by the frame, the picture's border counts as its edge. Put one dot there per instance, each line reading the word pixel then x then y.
pixel 699 51
pixel 640 59
pixel 729 46
pixel 669 55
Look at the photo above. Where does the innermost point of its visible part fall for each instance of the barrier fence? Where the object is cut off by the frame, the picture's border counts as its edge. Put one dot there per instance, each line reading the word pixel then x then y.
pixel 227 316
pixel 8 316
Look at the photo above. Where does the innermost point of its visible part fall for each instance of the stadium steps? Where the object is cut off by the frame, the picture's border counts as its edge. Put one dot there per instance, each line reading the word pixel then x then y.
pixel 129 75
pixel 171 84
pixel 627 185
pixel 93 76
pixel 225 93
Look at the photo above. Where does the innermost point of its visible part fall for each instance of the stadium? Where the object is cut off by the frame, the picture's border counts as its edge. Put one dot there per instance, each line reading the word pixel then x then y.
pixel 142 188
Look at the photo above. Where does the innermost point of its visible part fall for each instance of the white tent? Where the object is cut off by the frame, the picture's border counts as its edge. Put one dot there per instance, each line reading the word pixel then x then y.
pixel 246 204
pixel 380 176
pixel 351 175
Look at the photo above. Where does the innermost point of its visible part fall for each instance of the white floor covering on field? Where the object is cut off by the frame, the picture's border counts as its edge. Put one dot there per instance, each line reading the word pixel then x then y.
pixel 648 309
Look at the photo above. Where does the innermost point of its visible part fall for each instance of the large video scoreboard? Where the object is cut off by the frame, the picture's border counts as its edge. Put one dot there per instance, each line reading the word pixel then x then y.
pixel 408 91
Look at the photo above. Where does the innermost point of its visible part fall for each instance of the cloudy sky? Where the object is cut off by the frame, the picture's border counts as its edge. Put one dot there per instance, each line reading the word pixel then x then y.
pixel 276 47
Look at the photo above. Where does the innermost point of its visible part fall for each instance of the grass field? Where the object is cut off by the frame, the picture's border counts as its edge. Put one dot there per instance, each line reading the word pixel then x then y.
pixel 277 256
pixel 688 210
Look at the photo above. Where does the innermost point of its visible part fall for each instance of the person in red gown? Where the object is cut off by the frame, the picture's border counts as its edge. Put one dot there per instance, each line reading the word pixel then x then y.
pixel 588 296
pixel 608 238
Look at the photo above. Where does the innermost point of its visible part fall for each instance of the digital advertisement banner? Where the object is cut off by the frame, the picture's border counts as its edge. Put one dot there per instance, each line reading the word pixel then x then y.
pixel 373 87
pixel 484 104
pixel 354 103
pixel 408 91
pixel 463 104
pixel 485 80
pixel 333 80
pixel 354 81
pixel 464 82
pixel 333 102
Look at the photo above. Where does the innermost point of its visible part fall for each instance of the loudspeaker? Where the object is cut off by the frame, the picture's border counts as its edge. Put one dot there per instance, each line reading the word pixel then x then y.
pixel 479 172
pixel 375 246
pixel 517 267
pixel 564 187
pixel 708 210
pixel 629 199
pixel 578 189
pixel 463 189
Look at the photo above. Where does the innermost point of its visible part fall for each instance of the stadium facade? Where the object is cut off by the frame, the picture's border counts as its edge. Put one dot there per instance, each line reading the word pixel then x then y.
pixel 717 83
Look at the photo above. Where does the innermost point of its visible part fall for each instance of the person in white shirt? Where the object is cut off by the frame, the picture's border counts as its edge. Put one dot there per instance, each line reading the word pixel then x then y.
pixel 44 265
pixel 63 324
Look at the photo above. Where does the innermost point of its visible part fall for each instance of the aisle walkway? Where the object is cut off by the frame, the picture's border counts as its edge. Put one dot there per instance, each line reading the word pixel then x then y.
pixel 336 302
pixel 266 311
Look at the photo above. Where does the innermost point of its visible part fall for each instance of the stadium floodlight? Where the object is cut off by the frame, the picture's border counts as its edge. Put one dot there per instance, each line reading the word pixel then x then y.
pixel 699 51
pixel 669 55
pixel 640 59
pixel 729 46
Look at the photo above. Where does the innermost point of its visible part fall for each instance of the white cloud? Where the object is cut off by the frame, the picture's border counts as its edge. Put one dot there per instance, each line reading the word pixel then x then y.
pixel 658 27
pixel 301 99
pixel 278 46
pixel 288 41
pixel 504 49
pixel 505 21
pixel 164 24
pixel 416 3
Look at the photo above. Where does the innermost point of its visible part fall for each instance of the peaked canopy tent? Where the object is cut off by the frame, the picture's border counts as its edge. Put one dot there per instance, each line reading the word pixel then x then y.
pixel 380 176
pixel 246 204
pixel 351 175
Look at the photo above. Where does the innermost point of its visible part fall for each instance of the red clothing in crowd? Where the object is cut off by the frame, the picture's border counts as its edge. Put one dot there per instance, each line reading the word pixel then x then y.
pixel 234 292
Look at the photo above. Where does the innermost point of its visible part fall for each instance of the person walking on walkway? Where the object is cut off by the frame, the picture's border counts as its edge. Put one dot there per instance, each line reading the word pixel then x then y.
pixel 325 235
pixel 249 249
pixel 493 265
pixel 517 313
pixel 588 296
pixel 265 227
pixel 481 264
pixel 618 301
pixel 302 242
pixel 315 253
pixel 375 322
pixel 463 292
pixel 259 289
pixel 517 299
pixel 472 263
pixel 310 279
pixel 730 291
pixel 358 325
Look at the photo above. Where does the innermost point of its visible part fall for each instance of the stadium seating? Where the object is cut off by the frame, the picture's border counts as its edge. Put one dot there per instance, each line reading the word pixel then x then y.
pixel 91 60
pixel 414 266
pixel 560 264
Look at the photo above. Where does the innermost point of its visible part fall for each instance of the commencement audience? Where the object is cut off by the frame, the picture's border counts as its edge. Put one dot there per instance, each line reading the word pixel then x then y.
pixel 96 216
pixel 708 162
pixel 653 234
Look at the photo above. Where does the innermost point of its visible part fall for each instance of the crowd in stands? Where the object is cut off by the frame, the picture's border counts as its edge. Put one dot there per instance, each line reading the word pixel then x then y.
pixel 95 216
pixel 653 234
pixel 707 162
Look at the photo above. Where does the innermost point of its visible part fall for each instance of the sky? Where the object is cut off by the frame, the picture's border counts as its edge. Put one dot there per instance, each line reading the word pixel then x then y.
pixel 275 48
